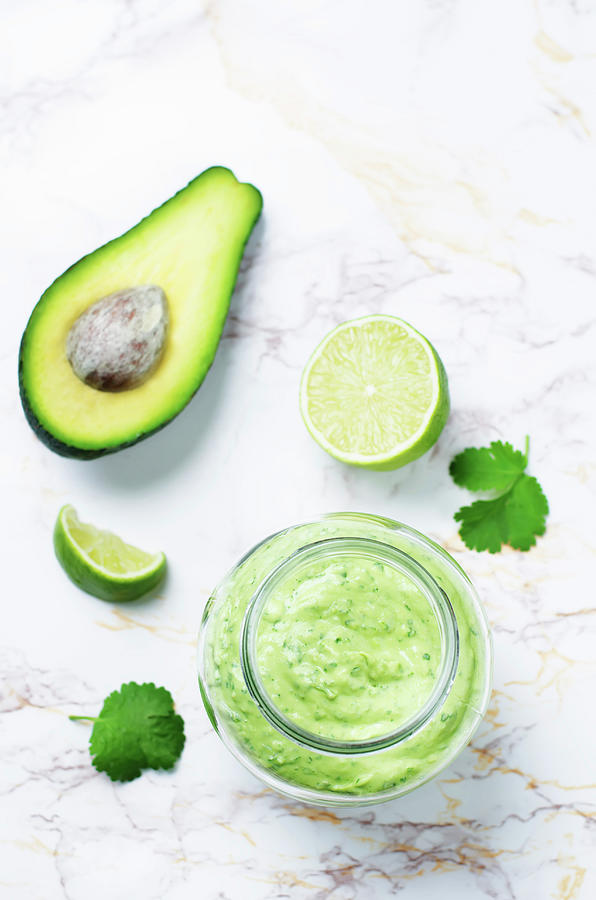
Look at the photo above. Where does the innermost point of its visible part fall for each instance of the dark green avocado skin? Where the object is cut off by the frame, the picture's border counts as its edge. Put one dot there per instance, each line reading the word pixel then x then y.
pixel 67 450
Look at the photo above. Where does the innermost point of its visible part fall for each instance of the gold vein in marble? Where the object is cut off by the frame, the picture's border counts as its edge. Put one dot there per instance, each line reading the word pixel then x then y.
pixel 170 633
pixel 570 885
pixel 490 761
pixel 550 47
pixel 409 185
pixel 229 828
pixel 554 667
pixel 314 814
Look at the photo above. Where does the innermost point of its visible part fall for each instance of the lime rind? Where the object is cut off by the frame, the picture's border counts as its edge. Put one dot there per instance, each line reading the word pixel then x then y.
pixel 431 423
pixel 128 579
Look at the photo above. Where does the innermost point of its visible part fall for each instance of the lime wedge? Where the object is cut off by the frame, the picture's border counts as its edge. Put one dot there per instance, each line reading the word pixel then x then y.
pixel 374 393
pixel 101 563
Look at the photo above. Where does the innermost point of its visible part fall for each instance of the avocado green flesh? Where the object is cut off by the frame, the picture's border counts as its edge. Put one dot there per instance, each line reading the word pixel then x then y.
pixel 191 247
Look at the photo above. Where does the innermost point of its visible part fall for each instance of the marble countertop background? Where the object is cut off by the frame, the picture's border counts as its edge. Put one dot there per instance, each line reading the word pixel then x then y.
pixel 435 159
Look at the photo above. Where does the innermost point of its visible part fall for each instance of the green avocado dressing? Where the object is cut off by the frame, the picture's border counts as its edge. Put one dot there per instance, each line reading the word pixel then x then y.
pixel 347 650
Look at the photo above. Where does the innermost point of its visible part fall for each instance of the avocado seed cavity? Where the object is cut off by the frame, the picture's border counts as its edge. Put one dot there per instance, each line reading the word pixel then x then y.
pixel 118 341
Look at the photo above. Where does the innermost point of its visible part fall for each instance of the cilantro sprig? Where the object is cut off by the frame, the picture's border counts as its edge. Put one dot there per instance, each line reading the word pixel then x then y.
pixel 136 729
pixel 516 515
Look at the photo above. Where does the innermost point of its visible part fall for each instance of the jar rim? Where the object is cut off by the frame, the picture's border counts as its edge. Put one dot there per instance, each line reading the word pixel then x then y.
pixel 379 551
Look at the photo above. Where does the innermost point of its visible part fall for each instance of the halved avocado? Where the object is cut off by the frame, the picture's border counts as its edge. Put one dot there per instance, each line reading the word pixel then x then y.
pixel 191 247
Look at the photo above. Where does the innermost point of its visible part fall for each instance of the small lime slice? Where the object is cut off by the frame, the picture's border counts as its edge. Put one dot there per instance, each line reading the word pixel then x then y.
pixel 101 563
pixel 374 393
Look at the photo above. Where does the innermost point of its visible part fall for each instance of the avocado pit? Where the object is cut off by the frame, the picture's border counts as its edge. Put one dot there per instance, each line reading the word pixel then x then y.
pixel 118 341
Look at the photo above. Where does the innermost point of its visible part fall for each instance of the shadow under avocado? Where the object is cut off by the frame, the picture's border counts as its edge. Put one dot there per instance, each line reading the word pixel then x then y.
pixel 159 454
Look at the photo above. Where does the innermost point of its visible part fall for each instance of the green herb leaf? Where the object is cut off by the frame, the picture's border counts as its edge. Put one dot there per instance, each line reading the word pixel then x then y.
pixel 516 516
pixel 526 510
pixel 136 729
pixel 491 468
pixel 483 525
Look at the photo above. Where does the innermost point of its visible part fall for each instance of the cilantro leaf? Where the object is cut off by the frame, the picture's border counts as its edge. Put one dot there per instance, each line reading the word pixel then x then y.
pixel 483 525
pixel 136 729
pixel 516 516
pixel 525 511
pixel 491 468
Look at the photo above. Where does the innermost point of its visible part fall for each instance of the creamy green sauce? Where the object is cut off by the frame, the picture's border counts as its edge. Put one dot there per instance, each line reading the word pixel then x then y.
pixel 348 650
pixel 377 673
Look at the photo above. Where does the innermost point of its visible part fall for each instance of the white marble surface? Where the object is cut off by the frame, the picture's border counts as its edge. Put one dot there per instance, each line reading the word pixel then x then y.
pixel 431 158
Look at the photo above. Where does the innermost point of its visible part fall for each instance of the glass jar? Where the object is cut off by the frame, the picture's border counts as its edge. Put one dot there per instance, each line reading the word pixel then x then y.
pixel 345 661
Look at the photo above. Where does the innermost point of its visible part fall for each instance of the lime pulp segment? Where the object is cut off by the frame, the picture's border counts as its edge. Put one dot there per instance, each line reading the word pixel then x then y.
pixel 106 550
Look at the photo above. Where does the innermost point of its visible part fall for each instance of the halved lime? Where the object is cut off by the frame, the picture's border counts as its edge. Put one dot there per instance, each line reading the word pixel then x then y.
pixel 101 563
pixel 374 393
